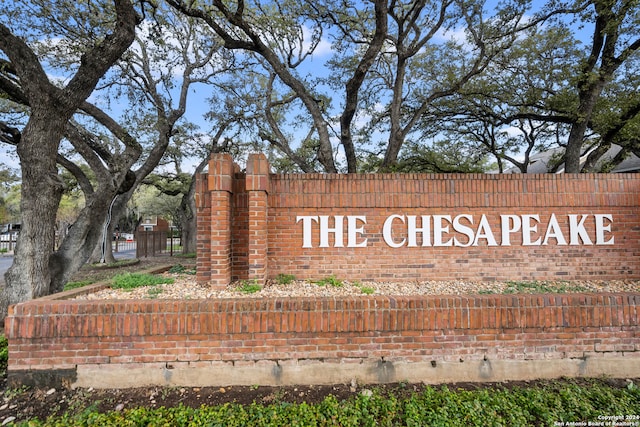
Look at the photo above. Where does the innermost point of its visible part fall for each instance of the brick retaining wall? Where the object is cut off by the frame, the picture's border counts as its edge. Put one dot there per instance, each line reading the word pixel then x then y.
pixel 319 340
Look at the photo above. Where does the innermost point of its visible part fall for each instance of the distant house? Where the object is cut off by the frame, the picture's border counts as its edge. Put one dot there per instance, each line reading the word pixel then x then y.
pixel 8 228
pixel 9 232
pixel 541 162
pixel 153 223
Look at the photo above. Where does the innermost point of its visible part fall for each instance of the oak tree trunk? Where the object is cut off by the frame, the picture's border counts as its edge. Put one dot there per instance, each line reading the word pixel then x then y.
pixel 29 276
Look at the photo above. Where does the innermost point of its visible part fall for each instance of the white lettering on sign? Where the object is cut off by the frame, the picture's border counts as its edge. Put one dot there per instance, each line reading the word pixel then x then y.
pixel 439 229
pixel 463 229
pixel 484 232
pixel 354 230
pixel 601 228
pixel 529 229
pixel 554 232
pixel 425 230
pixel 386 231
pixel 459 231
pixel 306 229
pixel 578 232
pixel 509 224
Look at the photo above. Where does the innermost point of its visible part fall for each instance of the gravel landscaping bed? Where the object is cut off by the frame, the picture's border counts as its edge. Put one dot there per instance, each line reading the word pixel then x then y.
pixel 185 287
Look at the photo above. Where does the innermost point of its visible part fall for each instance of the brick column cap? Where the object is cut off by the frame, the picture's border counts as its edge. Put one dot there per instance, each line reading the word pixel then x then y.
pixel 221 170
pixel 258 170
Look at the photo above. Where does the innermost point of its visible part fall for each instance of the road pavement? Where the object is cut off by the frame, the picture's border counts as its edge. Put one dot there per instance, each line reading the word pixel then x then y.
pixel 7 260
pixel 5 263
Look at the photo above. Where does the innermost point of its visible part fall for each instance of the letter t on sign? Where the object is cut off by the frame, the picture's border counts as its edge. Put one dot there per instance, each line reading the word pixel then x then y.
pixel 306 229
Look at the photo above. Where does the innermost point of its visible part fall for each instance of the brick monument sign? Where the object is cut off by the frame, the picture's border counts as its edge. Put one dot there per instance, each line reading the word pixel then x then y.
pixel 385 227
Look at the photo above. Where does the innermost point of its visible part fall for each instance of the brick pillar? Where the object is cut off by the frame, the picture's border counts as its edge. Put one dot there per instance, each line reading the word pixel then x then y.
pixel 257 186
pixel 203 227
pixel 220 184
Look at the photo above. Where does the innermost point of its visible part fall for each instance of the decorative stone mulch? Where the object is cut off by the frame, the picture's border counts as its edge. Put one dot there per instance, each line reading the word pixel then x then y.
pixel 185 287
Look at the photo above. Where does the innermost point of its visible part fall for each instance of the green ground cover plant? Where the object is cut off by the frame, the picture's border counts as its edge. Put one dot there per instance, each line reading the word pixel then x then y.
pixel 367 290
pixel 154 292
pixel 542 287
pixel 181 269
pixel 136 280
pixel 76 285
pixel 187 255
pixel 285 279
pixel 4 354
pixel 556 403
pixel 249 287
pixel 329 281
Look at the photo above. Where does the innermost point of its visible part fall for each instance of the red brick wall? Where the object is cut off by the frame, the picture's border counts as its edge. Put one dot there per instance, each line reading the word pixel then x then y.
pixel 376 197
pixel 248 229
pixel 54 335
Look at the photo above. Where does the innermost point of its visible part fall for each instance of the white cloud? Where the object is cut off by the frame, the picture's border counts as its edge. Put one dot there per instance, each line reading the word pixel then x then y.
pixel 456 34
pixel 512 131
pixel 322 49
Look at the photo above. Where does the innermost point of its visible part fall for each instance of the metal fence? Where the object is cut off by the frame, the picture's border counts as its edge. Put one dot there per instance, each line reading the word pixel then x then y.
pixel 7 242
pixel 154 243
pixel 145 244
pixel 7 246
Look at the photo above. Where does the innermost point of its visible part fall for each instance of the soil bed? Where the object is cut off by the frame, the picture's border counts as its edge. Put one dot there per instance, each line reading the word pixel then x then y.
pixel 40 403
